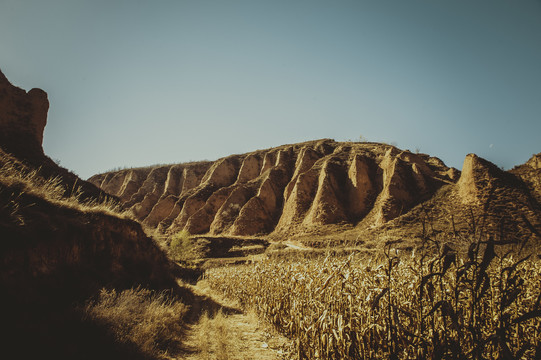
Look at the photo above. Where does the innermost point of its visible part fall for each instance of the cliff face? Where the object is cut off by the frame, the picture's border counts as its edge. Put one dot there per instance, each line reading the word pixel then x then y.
pixel 60 244
pixel 22 119
pixel 48 235
pixel 291 188
pixel 23 116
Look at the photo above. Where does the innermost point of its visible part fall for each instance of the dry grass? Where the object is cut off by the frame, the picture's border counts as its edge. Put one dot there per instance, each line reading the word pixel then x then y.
pixel 213 337
pixel 16 179
pixel 236 337
pixel 149 321
pixel 432 303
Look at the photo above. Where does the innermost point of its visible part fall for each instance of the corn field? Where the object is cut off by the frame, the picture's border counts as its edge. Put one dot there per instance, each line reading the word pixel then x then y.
pixel 426 304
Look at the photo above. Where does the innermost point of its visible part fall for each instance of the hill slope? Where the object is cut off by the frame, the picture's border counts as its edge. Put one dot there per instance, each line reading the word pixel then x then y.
pixel 320 187
pixel 293 187
pixel 62 240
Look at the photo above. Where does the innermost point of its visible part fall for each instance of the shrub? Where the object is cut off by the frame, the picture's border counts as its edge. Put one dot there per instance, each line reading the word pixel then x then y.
pixel 180 245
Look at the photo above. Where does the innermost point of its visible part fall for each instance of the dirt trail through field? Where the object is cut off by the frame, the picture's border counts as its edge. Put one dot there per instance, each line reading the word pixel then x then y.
pixel 230 332
pixel 296 245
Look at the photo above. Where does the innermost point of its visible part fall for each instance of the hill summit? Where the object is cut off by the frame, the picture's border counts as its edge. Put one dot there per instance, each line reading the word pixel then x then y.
pixel 318 188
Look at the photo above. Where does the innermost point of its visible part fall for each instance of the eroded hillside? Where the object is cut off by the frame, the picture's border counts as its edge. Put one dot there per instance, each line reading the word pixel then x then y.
pixel 322 187
pixel 485 200
pixel 300 187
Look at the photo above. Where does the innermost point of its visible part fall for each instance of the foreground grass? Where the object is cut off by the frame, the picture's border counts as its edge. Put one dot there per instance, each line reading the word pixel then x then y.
pixel 437 304
pixel 213 337
pixel 17 179
pixel 150 322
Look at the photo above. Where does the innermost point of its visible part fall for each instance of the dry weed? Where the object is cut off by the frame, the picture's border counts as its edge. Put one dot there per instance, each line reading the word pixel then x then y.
pixel 150 321
pixel 429 304
pixel 213 337
pixel 16 179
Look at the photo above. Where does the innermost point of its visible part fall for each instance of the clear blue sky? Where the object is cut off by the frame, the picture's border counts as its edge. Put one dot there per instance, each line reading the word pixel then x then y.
pixel 134 83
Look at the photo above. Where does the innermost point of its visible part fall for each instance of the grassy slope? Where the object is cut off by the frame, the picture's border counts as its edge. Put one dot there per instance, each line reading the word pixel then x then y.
pixel 58 249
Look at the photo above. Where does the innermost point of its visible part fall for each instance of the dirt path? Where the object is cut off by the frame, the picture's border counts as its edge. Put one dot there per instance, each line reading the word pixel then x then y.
pixel 296 245
pixel 235 335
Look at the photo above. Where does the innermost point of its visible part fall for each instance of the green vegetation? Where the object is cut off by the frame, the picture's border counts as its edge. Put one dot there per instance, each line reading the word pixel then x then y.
pixel 180 246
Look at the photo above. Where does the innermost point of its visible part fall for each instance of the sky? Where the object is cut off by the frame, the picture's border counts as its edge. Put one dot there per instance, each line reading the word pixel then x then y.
pixel 136 83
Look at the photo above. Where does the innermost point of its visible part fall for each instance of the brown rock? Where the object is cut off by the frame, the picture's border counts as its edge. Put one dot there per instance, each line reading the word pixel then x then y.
pixel 535 162
pixel 306 188
pixel 250 168
pixel 260 214
pixel 192 176
pixel 223 172
pixel 306 159
pixel 269 161
pixel 160 211
pixel 530 174
pixel 23 116
pixel 311 184
pixel 201 220
pixel 403 186
pixel 253 219
pixel 328 204
pixel 476 174
pixel 299 200
pixel 174 181
pixel 362 186
pixel 167 221
pixel 192 204
pixel 230 209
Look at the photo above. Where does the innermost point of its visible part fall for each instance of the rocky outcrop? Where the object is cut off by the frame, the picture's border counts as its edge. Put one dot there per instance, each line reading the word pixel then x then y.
pixel 484 200
pixel 47 234
pixel 58 249
pixel 474 178
pixel 299 187
pixel 481 181
pixel 324 186
pixel 23 116
pixel 361 186
pixel 530 173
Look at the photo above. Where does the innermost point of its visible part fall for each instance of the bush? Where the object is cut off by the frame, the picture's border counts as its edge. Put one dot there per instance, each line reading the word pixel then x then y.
pixel 180 245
